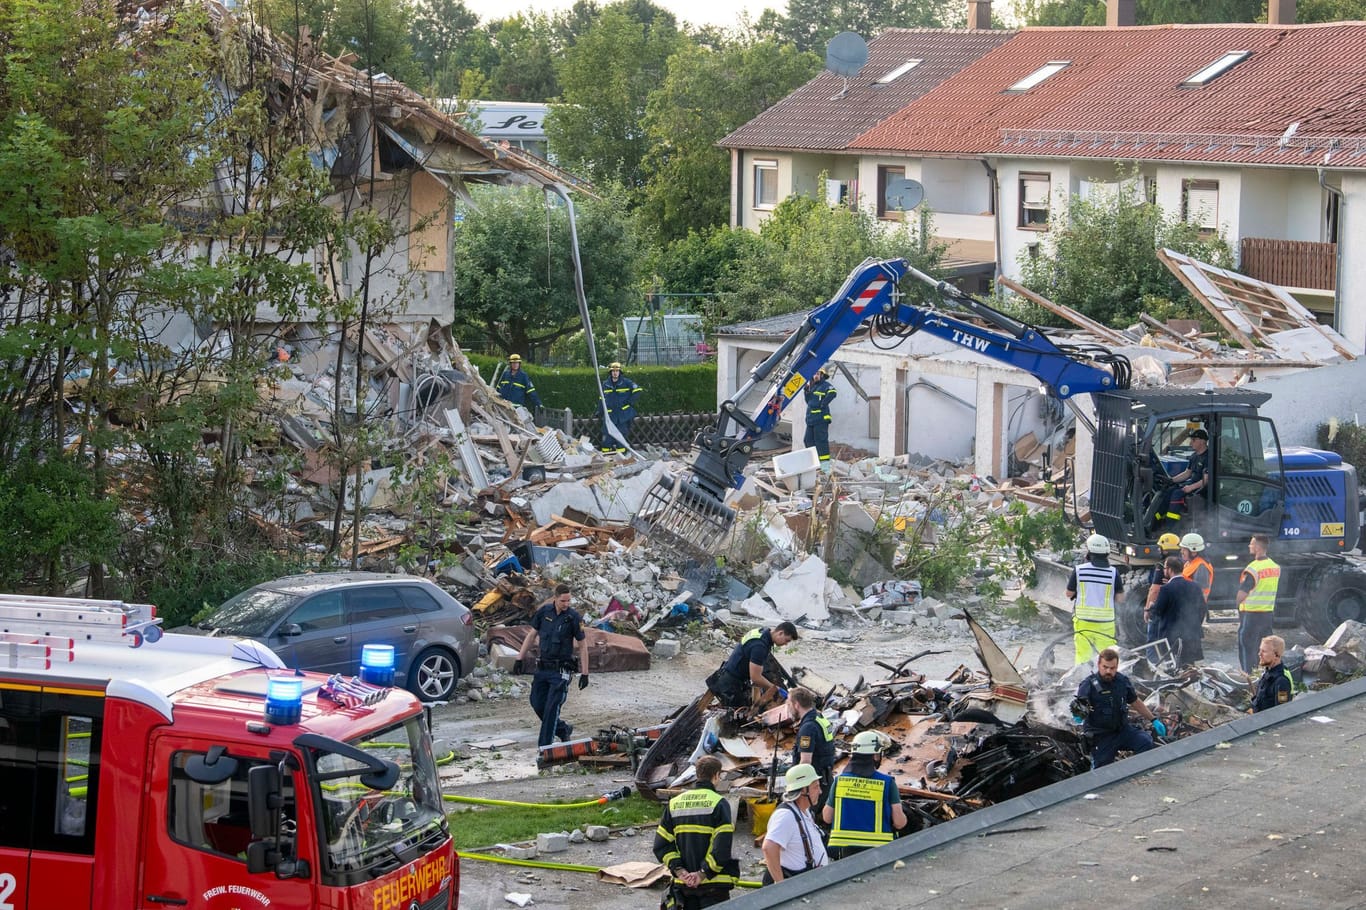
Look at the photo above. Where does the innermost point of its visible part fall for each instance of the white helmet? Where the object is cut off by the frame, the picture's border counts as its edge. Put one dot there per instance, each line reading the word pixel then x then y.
pixel 1097 543
pixel 1193 542
pixel 869 742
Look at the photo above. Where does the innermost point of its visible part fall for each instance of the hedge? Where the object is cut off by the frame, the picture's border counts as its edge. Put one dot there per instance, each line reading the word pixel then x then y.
pixel 666 390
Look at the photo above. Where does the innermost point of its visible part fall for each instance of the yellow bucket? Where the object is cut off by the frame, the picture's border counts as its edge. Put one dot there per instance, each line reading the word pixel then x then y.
pixel 760 808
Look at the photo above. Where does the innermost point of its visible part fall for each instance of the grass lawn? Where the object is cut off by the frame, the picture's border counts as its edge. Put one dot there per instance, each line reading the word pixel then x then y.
pixel 473 827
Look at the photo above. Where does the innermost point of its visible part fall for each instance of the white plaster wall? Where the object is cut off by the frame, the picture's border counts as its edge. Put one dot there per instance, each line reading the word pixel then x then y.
pixel 751 217
pixel 1015 240
pixel 1301 401
pixel 867 177
pixel 1352 253
pixel 1169 180
pixel 1265 206
pixel 958 186
pixel 807 171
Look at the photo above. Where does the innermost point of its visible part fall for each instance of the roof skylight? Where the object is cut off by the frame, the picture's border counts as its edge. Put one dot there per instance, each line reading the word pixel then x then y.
pixel 1039 75
pixel 1217 67
pixel 900 71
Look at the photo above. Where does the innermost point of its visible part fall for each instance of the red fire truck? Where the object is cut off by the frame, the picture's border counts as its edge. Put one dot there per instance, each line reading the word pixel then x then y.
pixel 200 772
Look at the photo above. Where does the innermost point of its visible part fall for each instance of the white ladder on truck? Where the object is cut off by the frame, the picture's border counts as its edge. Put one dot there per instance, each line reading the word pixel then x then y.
pixel 37 631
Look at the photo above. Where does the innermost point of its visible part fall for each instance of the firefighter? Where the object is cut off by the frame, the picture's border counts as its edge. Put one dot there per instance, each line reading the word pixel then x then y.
pixel 619 393
pixel 864 809
pixel 1170 545
pixel 1276 686
pixel 815 742
pixel 819 395
pixel 693 841
pixel 743 670
pixel 557 626
pixel 1103 700
pixel 1093 587
pixel 1256 601
pixel 1197 568
pixel 516 386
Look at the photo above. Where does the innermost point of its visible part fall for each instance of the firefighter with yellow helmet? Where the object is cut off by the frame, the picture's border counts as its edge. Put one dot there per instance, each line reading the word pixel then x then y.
pixel 619 394
pixel 1170 545
pixel 865 807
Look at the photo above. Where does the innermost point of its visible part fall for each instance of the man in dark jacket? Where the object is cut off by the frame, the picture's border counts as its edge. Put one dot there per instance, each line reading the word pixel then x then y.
pixel 693 841
pixel 516 386
pixel 1275 687
pixel 1180 612
pixel 1104 698
pixel 619 392
pixel 815 743
pixel 557 627
pixel 744 669
pixel 820 394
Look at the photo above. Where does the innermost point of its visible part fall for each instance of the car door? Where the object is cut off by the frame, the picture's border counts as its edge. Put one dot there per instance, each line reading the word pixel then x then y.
pixel 379 616
pixel 315 635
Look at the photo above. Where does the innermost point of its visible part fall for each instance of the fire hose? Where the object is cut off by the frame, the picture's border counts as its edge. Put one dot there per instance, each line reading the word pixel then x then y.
pixel 609 797
pixel 563 867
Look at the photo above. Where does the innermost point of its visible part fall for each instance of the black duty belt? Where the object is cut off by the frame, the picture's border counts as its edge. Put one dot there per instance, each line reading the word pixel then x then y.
pixel 557 665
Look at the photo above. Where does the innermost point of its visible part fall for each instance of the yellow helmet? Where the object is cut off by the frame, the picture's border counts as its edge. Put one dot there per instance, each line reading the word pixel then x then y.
pixel 614 365
pixel 1169 541
pixel 514 358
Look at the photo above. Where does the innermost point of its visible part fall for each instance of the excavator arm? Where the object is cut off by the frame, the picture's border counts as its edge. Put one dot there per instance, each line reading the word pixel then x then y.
pixel 691 513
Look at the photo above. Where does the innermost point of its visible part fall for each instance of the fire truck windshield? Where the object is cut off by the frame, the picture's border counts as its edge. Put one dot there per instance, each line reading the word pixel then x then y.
pixel 371 831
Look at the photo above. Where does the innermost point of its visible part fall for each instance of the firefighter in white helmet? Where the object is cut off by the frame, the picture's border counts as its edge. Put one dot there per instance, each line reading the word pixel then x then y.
pixel 1093 587
pixel 865 807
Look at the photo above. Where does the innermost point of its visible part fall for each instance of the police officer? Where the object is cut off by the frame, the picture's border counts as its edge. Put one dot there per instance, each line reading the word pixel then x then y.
pixel 557 626
pixel 819 396
pixel 1257 588
pixel 619 393
pixel 815 742
pixel 1093 587
pixel 1276 686
pixel 1104 699
pixel 864 808
pixel 516 386
pixel 744 668
pixel 693 841
pixel 1170 545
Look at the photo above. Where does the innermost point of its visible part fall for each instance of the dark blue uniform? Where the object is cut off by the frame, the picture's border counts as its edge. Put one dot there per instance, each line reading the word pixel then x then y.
pixel 620 395
pixel 819 396
pixel 731 683
pixel 1274 688
pixel 518 388
pixel 1173 503
pixel 1108 723
pixel 1179 612
pixel 815 735
pixel 556 634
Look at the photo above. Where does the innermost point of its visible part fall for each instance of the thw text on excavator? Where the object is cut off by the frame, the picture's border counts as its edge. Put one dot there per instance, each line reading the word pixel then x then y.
pixel 1305 500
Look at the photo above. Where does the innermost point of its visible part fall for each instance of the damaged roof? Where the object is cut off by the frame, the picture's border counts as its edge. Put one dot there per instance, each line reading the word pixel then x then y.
pixel 1248 94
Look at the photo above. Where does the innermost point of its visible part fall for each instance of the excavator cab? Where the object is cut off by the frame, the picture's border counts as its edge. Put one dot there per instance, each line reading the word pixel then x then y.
pixel 1146 437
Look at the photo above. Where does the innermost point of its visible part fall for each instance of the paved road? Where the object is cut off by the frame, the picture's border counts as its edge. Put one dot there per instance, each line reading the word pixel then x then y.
pixel 1266 811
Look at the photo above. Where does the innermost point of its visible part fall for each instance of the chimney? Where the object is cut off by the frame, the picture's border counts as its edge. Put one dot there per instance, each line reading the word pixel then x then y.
pixel 979 13
pixel 1119 13
pixel 1280 12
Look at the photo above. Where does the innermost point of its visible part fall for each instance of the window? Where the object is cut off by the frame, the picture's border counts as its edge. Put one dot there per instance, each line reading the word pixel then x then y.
pixel 1200 204
pixel 765 184
pixel 900 71
pixel 418 600
pixel 216 818
pixel 321 612
pixel 891 184
pixel 49 770
pixel 1039 75
pixel 1150 190
pixel 1034 192
pixel 368 604
pixel 1218 67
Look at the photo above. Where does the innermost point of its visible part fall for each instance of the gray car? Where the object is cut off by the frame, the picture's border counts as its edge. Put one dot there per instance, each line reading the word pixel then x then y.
pixel 319 622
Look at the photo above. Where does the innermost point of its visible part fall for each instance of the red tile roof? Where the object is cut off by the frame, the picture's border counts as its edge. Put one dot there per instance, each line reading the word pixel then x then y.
pixel 816 116
pixel 1122 98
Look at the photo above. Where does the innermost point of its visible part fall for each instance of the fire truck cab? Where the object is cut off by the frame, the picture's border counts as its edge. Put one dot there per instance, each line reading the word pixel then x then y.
pixel 200 772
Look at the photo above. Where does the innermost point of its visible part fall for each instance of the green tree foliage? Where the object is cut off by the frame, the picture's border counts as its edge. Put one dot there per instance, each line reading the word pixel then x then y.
pixel 378 32
pixel 526 50
pixel 809 24
pixel 1161 12
pixel 1330 10
pixel 706 95
pixel 701 262
pixel 606 77
pixel 514 285
pixel 1103 261
pixel 436 32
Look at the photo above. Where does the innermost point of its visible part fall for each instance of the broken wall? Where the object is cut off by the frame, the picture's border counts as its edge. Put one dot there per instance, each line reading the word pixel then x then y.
pixel 1352 261
pixel 1301 401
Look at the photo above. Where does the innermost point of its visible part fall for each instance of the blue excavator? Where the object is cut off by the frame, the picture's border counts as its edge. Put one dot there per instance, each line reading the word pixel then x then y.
pixel 1305 500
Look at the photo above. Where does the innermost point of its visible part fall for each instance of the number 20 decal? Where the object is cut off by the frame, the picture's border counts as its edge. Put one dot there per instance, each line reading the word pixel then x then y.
pixel 7 885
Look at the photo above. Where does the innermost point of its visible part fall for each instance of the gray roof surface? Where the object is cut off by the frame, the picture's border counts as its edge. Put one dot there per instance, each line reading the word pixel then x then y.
pixel 814 118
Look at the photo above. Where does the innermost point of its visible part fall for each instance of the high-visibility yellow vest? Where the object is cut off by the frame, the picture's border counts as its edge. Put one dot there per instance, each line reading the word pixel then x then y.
pixel 858 820
pixel 1096 593
pixel 1262 598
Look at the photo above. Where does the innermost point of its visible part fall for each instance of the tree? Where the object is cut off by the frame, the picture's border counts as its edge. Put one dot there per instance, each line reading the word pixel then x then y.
pixel 809 24
pixel 605 79
pixel 1103 261
pixel 436 31
pixel 377 32
pixel 706 95
pixel 1162 12
pixel 526 51
pixel 1330 10
pixel 514 284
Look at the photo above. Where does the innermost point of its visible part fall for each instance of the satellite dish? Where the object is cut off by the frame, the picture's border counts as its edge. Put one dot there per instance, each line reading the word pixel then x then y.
pixel 846 53
pixel 903 194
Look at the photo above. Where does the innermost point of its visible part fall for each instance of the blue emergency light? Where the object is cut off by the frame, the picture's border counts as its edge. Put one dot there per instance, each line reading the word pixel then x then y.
pixel 284 699
pixel 377 665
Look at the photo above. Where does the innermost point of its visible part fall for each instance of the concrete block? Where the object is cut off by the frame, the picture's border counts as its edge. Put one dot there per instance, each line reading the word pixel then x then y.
pixel 799 590
pixel 512 852
pixel 553 842
pixel 597 833
pixel 577 836
pixel 666 648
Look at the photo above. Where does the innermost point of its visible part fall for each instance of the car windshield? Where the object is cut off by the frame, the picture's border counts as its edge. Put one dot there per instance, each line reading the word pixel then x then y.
pixel 374 831
pixel 250 613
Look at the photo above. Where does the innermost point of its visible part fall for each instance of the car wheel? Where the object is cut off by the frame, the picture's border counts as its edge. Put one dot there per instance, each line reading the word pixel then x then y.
pixel 434 675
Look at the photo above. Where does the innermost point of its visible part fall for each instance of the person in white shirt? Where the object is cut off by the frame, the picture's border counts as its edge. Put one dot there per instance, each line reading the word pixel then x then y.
pixel 792 844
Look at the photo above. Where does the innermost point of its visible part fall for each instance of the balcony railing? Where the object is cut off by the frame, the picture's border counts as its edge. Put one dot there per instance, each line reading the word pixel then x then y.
pixel 1293 263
